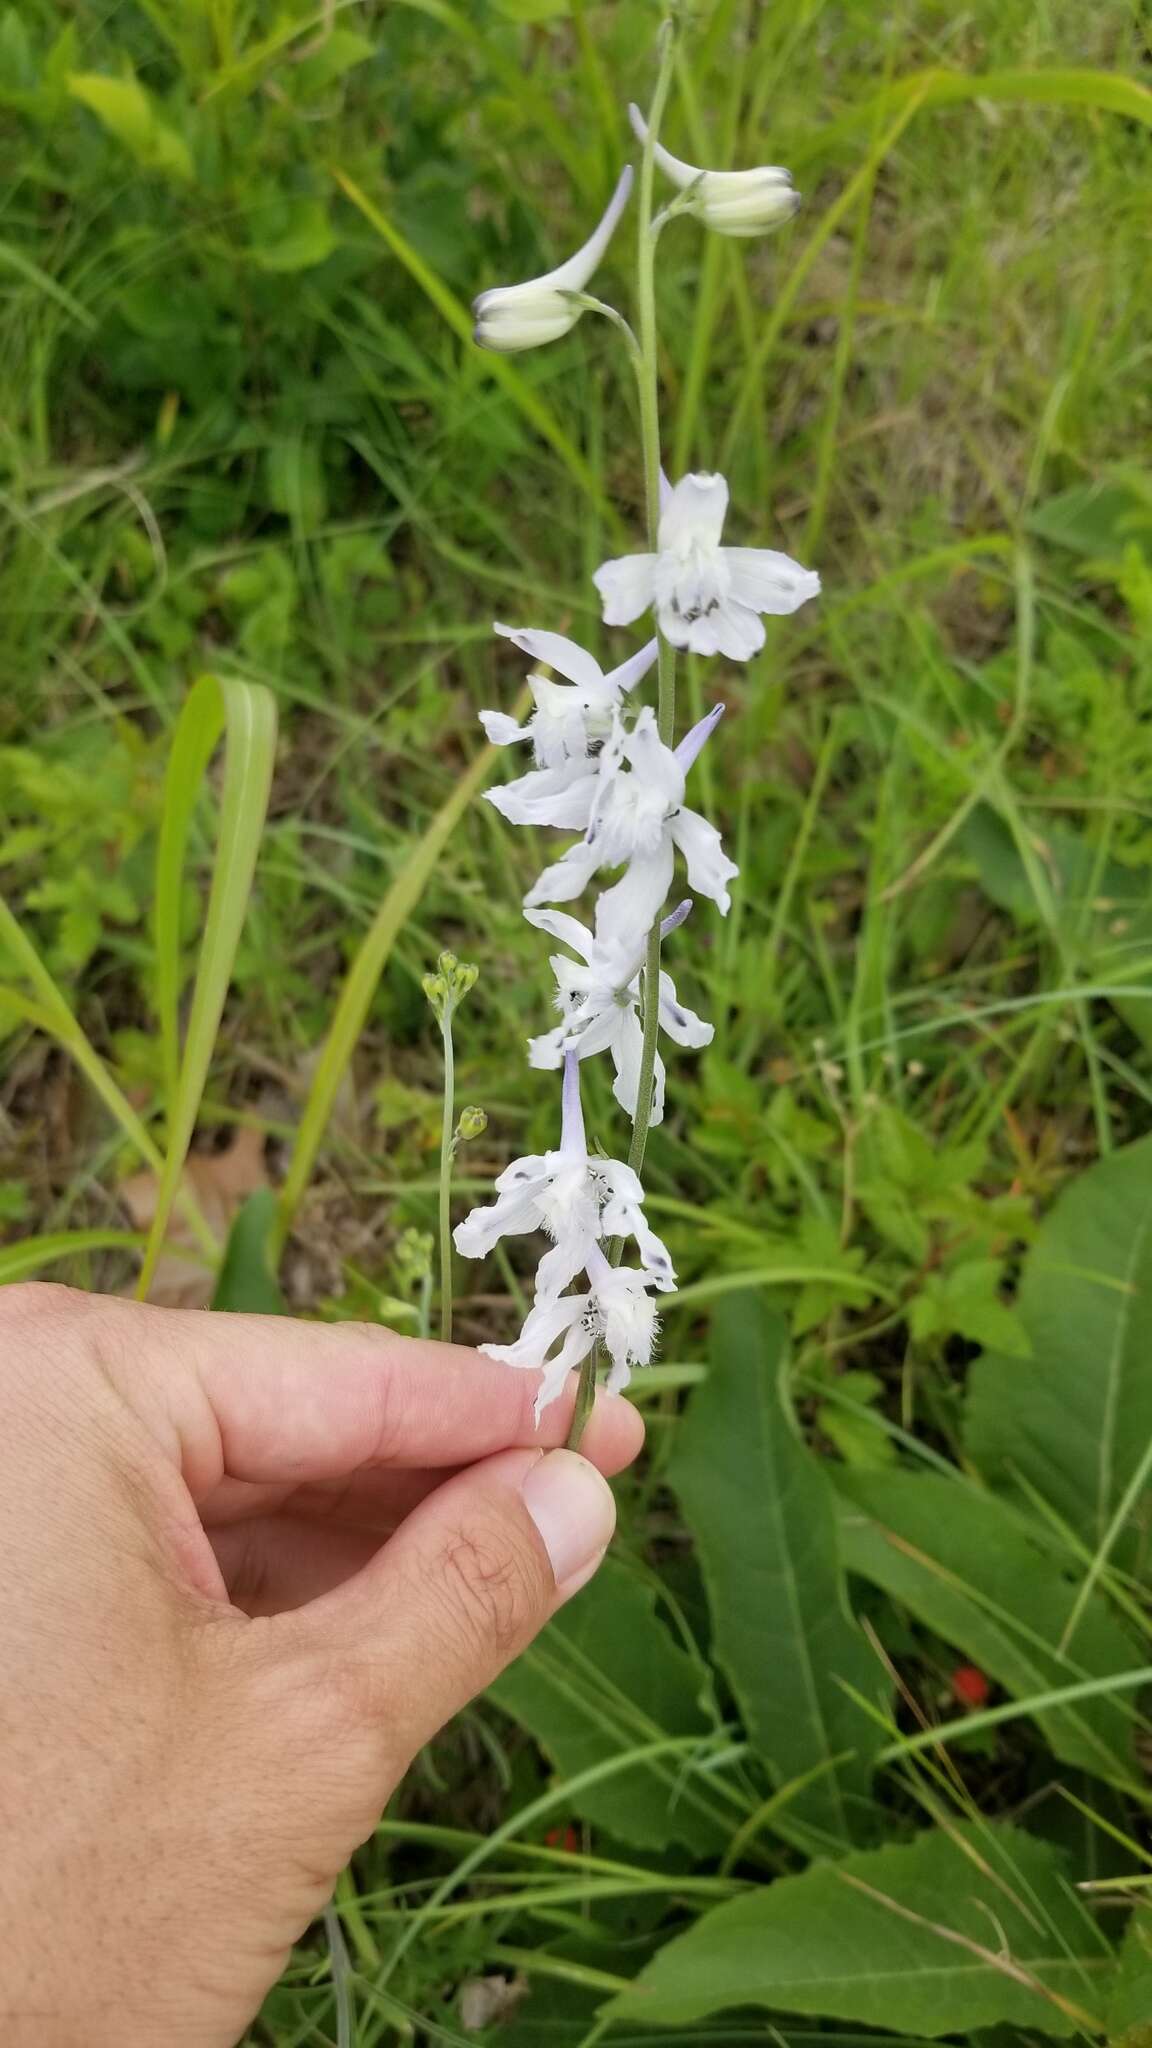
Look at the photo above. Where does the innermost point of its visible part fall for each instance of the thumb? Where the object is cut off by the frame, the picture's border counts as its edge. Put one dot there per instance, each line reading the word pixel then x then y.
pixel 461 1588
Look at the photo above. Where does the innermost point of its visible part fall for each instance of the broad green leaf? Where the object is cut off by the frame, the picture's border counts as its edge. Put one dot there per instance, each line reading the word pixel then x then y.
pixel 246 714
pixel 960 1561
pixel 247 1280
pixel 302 238
pixel 1074 1421
pixel 941 1935
pixel 1098 518
pixel 1130 2006
pixel 122 106
pixel 764 1520
pixel 606 1677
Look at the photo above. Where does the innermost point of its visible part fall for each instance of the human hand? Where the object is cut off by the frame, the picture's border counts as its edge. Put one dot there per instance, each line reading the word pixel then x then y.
pixel 251 1566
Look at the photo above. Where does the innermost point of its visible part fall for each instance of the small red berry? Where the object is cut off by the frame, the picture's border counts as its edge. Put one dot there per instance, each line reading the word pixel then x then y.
pixel 970 1686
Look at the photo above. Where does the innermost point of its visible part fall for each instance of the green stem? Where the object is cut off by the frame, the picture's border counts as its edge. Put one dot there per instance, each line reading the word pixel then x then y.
pixel 447 1131
pixel 646 363
pixel 648 379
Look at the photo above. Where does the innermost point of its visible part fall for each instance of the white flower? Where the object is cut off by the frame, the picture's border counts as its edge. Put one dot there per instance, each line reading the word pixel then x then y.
pixel 598 998
pixel 616 1310
pixel 570 716
pixel 707 598
pixel 577 1199
pixel 512 317
pixel 632 810
pixel 732 202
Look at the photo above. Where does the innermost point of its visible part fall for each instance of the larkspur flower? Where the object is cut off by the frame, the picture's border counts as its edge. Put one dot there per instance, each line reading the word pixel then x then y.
pixel 633 815
pixel 616 1310
pixel 513 317
pixel 731 202
pixel 707 598
pixel 598 996
pixel 569 717
pixel 575 1198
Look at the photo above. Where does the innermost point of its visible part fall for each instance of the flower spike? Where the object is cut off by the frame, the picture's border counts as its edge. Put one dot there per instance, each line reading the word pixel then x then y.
pixel 513 317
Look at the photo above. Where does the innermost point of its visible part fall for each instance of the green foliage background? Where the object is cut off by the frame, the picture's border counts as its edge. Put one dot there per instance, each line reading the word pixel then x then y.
pixel 735 1790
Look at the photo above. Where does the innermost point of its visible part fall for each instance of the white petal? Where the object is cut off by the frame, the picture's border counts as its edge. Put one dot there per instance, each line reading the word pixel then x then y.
pixel 627 911
pixel 560 1265
pixel 577 1345
pixel 548 1050
pixel 627 1044
pixel 573 275
pixel 545 1322
pixel 768 581
pixel 566 877
pixel 656 765
pixel 626 1047
pixel 514 1213
pixel 547 796
pixel 559 924
pixel 625 587
pixel 729 628
pixel 681 1023
pixel 631 672
pixel 555 651
pixel 709 868
pixel 694 514
pixel 529 1172
pixel 502 730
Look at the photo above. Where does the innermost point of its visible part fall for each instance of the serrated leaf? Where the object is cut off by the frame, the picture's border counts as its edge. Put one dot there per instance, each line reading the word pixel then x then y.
pixel 1075 1419
pixel 941 1935
pixel 960 1561
pixel 604 1677
pixel 1130 2006
pixel 764 1521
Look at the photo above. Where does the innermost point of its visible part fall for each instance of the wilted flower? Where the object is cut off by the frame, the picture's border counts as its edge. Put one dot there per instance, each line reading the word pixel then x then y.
pixel 732 202
pixel 707 597
pixel 570 716
pixel 513 317
pixel 574 1198
pixel 598 996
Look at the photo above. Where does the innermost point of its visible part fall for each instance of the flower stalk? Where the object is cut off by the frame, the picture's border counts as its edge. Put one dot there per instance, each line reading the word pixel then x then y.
pixel 608 767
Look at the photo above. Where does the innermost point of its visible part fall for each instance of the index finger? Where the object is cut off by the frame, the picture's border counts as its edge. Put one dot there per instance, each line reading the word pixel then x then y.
pixel 273 1400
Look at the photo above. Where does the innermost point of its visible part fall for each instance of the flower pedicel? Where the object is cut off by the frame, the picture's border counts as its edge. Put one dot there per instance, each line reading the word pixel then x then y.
pixel 607 768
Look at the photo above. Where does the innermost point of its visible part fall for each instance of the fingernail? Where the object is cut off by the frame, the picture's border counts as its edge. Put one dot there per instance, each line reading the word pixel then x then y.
pixel 573 1509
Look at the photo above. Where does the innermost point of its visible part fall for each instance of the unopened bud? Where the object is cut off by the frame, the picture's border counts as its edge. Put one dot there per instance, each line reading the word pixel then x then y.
pixel 730 202
pixel 513 317
pixel 472 1124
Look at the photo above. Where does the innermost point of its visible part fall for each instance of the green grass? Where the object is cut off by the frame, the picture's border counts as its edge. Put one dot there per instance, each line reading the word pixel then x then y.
pixel 242 431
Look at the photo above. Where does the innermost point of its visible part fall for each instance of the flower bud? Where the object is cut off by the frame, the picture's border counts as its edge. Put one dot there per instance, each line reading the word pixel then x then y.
pixel 513 317
pixel 730 202
pixel 472 1124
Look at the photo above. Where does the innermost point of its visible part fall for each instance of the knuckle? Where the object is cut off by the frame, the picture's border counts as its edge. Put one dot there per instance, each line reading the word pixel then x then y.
pixel 25 1302
pixel 491 1587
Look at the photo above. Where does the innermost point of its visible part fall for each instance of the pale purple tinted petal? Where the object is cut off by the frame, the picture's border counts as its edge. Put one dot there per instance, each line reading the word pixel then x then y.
pixel 692 741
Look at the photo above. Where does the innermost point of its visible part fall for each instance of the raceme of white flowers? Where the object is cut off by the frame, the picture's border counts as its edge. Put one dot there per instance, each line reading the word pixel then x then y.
pixel 602 772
